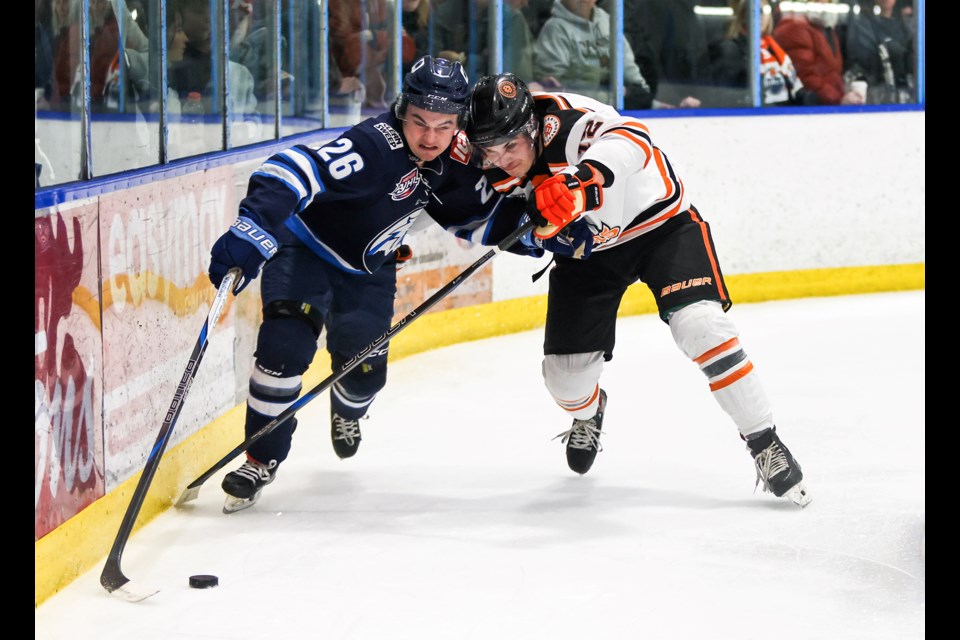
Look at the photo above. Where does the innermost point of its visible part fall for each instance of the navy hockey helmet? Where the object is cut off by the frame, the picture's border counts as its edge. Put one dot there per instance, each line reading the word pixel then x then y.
pixel 501 107
pixel 435 84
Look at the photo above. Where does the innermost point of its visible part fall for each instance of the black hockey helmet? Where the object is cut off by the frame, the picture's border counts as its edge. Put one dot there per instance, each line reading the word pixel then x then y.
pixel 435 84
pixel 501 107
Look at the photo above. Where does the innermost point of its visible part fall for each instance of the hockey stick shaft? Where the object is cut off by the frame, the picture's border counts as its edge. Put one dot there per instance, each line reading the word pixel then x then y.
pixel 112 577
pixel 193 489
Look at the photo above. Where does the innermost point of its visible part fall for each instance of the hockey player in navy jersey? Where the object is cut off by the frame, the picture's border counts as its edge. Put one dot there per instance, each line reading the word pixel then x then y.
pixel 602 186
pixel 326 225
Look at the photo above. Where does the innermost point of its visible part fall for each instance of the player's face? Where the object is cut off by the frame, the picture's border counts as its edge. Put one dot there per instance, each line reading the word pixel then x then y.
pixel 428 133
pixel 515 156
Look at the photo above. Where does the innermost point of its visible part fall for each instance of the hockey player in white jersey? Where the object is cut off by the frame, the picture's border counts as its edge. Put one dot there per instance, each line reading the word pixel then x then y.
pixel 600 183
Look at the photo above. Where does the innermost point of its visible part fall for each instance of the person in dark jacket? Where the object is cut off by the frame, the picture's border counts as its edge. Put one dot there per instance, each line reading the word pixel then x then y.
pixel 880 50
pixel 730 58
pixel 809 37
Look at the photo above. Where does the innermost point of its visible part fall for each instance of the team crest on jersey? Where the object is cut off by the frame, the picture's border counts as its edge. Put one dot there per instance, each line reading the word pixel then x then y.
pixel 406 186
pixel 551 126
pixel 390 135
pixel 605 235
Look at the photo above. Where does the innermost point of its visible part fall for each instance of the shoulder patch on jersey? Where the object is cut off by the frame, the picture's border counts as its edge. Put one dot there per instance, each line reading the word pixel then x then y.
pixel 551 125
pixel 390 135
pixel 406 186
pixel 460 148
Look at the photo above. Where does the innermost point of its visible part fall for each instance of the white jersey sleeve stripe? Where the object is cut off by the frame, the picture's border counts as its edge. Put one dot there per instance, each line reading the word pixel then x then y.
pixel 306 164
pixel 280 173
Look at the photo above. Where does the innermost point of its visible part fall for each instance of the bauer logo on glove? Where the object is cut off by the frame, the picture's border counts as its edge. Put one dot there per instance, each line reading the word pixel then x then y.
pixel 247 245
pixel 561 198
pixel 246 229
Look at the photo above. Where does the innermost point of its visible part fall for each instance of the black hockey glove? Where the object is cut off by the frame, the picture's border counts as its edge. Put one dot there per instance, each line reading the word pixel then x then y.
pixel 246 245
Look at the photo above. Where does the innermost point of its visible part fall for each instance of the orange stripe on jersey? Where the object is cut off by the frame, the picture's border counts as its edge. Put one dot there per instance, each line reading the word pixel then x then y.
pixel 507 184
pixel 668 184
pixel 733 377
pixel 672 190
pixel 714 267
pixel 638 125
pixel 639 141
pixel 726 346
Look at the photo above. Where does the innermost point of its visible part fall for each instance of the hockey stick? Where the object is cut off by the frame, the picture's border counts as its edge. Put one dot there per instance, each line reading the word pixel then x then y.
pixel 193 489
pixel 112 577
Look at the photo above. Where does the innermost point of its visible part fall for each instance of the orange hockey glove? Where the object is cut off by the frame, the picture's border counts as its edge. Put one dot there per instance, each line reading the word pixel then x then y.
pixel 560 199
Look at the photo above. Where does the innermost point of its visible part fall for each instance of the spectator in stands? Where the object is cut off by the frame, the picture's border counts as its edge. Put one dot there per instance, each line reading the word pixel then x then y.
pixel 360 43
pixel 415 20
pixel 810 40
pixel 193 73
pixel 537 12
pixel 462 36
pixel 253 43
pixel 880 50
pixel 104 44
pixel 43 51
pixel 572 51
pixel 144 88
pixel 66 52
pixel 460 31
pixel 670 47
pixel 730 57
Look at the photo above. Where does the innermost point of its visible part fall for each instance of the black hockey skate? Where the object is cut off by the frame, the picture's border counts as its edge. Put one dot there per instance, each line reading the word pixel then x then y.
pixel 777 470
pixel 583 439
pixel 244 485
pixel 345 435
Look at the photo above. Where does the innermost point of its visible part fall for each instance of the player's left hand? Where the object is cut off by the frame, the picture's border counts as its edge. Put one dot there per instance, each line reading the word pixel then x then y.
pixel 561 198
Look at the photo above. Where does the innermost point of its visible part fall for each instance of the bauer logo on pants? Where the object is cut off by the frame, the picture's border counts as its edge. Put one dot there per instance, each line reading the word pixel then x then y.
pixel 686 284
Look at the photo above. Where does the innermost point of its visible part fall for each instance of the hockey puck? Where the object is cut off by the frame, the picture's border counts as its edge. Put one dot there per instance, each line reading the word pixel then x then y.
pixel 204 581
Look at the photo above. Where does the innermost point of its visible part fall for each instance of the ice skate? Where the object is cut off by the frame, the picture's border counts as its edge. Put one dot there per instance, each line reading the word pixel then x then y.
pixel 777 470
pixel 244 485
pixel 583 439
pixel 345 435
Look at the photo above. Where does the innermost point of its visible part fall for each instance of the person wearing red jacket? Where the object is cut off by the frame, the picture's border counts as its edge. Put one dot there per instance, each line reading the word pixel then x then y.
pixel 810 40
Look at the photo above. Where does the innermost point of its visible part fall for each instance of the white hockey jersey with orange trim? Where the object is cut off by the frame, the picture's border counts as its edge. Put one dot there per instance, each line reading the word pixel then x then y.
pixel 642 189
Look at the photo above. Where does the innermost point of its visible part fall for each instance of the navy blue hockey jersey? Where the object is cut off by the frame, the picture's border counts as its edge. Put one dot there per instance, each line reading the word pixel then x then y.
pixel 352 200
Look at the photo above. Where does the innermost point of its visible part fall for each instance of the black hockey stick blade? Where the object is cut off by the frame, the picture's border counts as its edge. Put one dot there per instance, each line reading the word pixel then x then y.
pixel 112 577
pixel 193 489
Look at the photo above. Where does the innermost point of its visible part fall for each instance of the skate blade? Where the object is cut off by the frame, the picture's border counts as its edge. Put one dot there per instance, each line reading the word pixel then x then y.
pixel 232 504
pixel 798 495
